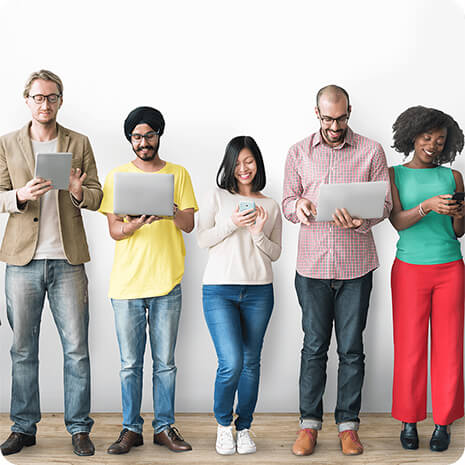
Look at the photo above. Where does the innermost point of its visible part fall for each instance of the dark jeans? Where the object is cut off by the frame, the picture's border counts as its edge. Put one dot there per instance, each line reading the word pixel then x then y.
pixel 344 301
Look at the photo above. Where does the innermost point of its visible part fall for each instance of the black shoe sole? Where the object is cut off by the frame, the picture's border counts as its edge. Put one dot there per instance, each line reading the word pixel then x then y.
pixel 84 454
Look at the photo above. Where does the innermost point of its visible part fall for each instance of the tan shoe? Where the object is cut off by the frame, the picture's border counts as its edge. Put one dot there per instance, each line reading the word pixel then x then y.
pixel 350 442
pixel 305 442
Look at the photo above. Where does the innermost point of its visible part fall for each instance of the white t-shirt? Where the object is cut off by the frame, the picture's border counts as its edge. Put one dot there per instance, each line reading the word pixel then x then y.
pixel 235 256
pixel 49 244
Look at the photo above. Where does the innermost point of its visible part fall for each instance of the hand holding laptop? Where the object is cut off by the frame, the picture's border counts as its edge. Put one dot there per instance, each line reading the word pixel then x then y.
pixel 136 222
pixel 343 219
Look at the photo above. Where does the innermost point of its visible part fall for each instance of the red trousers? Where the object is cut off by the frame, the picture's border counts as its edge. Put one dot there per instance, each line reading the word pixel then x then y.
pixel 422 294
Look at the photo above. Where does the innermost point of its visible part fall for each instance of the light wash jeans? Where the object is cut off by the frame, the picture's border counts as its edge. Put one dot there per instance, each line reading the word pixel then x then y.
pixel 66 288
pixel 237 317
pixel 132 316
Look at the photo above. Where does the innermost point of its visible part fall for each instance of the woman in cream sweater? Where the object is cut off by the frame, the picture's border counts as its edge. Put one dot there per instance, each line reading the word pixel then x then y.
pixel 242 230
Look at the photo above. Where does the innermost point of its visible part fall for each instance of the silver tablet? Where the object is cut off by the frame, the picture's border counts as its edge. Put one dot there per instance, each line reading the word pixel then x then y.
pixel 55 167
pixel 143 194
pixel 360 199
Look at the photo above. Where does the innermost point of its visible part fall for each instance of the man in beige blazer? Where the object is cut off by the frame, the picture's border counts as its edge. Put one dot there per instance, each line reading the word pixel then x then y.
pixel 45 249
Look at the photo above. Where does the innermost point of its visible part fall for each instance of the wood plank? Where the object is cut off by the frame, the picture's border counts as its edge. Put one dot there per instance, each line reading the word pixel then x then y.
pixel 275 434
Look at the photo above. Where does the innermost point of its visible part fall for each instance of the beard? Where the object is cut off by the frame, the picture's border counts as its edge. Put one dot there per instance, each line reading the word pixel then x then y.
pixel 150 155
pixel 334 138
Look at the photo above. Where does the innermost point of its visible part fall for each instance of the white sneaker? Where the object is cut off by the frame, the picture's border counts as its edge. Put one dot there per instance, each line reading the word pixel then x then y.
pixel 245 445
pixel 225 444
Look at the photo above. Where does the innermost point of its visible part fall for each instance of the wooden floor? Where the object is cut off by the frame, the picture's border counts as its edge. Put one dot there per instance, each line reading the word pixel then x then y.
pixel 275 434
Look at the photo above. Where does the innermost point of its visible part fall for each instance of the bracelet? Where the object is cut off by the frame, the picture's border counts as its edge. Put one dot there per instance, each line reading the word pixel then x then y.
pixel 421 211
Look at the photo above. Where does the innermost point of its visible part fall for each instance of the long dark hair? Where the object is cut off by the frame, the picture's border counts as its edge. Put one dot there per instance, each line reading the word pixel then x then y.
pixel 418 120
pixel 225 177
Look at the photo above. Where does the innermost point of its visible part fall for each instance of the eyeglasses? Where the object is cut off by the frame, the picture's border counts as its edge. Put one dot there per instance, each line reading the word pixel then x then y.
pixel 328 120
pixel 40 98
pixel 149 136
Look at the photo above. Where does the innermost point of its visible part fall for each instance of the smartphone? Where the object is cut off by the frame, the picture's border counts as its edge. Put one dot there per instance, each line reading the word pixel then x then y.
pixel 459 196
pixel 246 205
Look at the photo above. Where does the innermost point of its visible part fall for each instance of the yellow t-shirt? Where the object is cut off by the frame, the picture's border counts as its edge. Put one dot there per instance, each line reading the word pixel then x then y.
pixel 150 262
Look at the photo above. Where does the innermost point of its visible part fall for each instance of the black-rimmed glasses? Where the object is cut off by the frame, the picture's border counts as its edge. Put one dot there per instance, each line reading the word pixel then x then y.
pixel 329 120
pixel 40 98
pixel 149 136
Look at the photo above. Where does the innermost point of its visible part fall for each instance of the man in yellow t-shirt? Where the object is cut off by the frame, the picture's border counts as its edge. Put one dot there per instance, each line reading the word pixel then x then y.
pixel 145 285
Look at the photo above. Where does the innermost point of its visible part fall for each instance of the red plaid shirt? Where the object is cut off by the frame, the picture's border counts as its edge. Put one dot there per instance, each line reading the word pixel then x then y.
pixel 326 251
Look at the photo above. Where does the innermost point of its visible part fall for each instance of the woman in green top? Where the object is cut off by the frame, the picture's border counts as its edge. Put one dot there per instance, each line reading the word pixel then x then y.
pixel 427 278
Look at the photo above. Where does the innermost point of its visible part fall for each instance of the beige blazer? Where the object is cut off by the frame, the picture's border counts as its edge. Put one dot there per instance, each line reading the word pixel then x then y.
pixel 17 164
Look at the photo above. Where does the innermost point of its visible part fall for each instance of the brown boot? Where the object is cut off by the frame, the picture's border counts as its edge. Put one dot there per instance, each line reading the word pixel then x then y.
pixel 127 439
pixel 305 442
pixel 350 442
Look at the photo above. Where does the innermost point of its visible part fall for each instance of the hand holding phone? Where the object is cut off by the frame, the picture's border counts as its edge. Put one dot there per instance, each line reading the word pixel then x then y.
pixel 245 214
pixel 262 216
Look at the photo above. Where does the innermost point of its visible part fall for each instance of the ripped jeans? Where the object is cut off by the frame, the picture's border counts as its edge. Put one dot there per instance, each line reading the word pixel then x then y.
pixel 66 289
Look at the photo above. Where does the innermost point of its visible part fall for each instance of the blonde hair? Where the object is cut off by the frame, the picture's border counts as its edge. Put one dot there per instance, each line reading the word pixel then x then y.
pixel 46 76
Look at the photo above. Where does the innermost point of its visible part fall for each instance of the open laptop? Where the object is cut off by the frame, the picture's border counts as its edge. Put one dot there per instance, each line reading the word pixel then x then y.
pixel 143 194
pixel 361 199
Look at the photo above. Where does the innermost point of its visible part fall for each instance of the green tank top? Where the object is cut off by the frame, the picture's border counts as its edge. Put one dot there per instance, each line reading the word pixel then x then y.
pixel 432 240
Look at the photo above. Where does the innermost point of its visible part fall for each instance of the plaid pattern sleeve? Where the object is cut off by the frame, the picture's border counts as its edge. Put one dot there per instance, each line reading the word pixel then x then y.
pixel 292 189
pixel 326 251
pixel 379 172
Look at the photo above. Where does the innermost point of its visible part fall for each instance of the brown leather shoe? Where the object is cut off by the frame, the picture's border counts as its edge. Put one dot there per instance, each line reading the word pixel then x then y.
pixel 305 442
pixel 171 438
pixel 126 440
pixel 350 442
pixel 82 445
pixel 16 441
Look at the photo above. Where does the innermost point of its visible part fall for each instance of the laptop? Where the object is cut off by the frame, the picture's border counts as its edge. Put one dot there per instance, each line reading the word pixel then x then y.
pixel 143 194
pixel 361 199
pixel 55 167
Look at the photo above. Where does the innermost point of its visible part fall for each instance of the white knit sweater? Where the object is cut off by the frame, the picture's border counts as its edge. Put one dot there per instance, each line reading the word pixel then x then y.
pixel 236 256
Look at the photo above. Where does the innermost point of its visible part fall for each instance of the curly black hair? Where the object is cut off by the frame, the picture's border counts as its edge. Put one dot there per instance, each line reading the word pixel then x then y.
pixel 418 120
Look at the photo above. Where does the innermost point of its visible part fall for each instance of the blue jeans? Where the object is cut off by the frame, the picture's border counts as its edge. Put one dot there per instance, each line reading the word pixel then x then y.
pixel 132 316
pixel 66 288
pixel 237 317
pixel 345 302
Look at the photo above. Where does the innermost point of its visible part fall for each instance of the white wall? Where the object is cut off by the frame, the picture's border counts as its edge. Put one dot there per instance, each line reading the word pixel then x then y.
pixel 218 69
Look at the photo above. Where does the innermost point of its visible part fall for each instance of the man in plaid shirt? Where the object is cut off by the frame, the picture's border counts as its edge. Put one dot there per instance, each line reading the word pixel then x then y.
pixel 335 263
